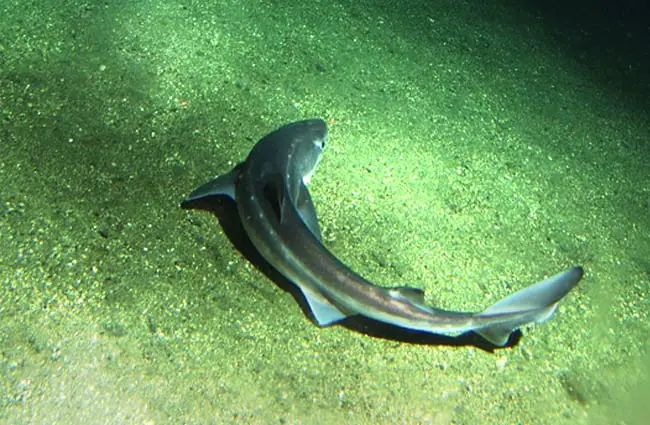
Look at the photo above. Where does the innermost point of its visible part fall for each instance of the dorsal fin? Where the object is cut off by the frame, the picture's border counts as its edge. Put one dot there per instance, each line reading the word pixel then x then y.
pixel 414 295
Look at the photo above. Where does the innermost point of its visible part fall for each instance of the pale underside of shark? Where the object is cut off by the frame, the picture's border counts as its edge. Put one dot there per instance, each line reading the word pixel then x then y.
pixel 279 217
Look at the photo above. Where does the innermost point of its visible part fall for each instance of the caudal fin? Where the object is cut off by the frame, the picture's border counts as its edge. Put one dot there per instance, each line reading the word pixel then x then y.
pixel 535 303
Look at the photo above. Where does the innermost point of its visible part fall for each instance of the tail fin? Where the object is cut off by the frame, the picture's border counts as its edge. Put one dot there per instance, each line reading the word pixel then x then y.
pixel 536 303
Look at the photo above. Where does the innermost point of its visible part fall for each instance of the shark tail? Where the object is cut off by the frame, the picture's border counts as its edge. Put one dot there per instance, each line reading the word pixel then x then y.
pixel 535 303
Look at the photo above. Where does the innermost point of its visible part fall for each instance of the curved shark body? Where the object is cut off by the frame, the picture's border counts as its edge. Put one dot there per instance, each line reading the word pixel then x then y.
pixel 278 215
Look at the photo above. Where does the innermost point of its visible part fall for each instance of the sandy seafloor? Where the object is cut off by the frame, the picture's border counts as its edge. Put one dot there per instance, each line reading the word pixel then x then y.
pixel 475 148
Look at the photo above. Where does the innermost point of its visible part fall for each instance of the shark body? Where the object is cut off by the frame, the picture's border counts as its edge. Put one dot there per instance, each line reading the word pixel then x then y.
pixel 279 217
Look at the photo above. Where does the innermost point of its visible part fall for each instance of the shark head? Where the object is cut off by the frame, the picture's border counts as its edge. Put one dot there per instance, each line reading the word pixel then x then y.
pixel 294 149
pixel 309 139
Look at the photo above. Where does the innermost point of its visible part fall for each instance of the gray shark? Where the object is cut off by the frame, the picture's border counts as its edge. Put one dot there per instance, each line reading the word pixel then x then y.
pixel 279 217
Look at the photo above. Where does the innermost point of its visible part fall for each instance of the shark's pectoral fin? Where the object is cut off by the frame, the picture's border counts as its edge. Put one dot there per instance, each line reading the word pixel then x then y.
pixel 307 211
pixel 223 185
pixel 302 203
pixel 535 303
pixel 324 311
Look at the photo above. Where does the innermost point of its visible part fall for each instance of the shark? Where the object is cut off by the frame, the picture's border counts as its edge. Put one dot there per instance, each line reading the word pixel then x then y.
pixel 279 217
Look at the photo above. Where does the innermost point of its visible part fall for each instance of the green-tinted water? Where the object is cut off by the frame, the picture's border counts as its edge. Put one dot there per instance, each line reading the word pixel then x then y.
pixel 473 150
